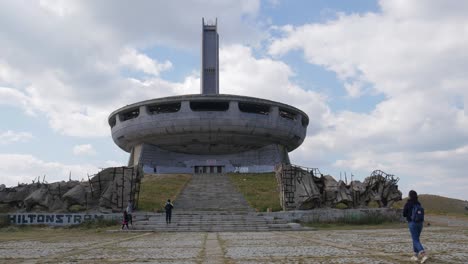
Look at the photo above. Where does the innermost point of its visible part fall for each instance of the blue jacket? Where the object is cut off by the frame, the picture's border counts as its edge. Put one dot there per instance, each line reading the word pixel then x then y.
pixel 409 209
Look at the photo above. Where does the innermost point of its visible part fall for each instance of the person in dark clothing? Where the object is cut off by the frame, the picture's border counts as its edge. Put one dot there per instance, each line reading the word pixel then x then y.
pixel 168 207
pixel 125 220
pixel 415 227
pixel 129 212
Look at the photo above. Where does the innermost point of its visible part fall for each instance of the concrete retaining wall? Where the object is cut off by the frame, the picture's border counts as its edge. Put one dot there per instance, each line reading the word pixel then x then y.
pixel 331 215
pixel 57 219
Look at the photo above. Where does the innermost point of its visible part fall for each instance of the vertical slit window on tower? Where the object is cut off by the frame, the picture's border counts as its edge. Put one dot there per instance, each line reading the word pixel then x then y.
pixel 130 114
pixel 253 108
pixel 209 106
pixel 287 114
pixel 163 108
pixel 305 121
pixel 112 121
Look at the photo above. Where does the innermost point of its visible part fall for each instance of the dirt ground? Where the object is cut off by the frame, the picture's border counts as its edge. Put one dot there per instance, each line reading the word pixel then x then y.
pixel 47 245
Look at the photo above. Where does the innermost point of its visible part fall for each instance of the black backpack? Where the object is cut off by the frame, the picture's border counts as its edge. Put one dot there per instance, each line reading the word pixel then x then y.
pixel 168 207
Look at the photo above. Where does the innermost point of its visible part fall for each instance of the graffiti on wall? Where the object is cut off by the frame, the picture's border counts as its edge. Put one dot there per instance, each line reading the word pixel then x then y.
pixel 57 219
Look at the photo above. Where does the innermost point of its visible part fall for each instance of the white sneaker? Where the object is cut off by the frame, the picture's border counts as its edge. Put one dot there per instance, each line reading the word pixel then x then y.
pixel 424 258
pixel 414 258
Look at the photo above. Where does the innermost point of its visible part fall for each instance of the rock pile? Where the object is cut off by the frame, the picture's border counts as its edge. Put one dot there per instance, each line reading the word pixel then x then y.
pixel 302 189
pixel 109 190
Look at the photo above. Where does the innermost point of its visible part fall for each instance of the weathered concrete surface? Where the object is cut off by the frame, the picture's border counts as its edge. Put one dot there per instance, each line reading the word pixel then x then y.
pixel 304 188
pixel 191 137
pixel 445 245
pixel 329 215
pixel 108 190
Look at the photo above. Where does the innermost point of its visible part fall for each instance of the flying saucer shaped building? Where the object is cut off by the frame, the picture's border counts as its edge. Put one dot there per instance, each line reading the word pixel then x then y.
pixel 208 132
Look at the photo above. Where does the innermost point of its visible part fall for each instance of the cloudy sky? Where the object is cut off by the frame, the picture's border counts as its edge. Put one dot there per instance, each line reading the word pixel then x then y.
pixel 384 83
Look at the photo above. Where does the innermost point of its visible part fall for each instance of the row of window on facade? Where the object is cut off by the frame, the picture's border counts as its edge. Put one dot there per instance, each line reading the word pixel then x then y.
pixel 254 108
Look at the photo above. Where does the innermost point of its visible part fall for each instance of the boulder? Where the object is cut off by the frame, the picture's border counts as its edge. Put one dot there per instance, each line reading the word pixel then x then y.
pixel 76 195
pixel 38 197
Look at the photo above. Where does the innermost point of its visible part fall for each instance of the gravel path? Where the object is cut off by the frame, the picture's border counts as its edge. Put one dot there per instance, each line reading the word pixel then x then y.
pixel 444 244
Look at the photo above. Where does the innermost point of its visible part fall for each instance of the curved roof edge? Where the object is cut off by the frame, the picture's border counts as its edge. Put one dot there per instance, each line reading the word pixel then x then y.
pixel 201 97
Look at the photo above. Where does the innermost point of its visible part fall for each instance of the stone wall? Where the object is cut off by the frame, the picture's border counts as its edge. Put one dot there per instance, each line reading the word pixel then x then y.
pixel 330 215
pixel 57 219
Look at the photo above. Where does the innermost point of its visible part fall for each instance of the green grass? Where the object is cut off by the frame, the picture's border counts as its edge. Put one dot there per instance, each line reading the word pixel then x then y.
pixel 439 205
pixel 259 189
pixel 156 189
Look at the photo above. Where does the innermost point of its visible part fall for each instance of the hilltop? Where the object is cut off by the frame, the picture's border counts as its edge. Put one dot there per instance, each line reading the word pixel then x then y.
pixel 435 204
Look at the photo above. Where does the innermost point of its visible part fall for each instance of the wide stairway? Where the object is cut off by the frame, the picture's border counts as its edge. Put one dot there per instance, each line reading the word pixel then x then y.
pixel 210 202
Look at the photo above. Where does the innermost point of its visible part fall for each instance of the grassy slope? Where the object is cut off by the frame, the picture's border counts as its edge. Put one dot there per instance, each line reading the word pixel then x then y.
pixel 156 189
pixel 434 204
pixel 259 189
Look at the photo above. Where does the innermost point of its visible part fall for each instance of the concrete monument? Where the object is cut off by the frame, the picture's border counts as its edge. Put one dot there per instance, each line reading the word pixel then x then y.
pixel 208 132
pixel 303 188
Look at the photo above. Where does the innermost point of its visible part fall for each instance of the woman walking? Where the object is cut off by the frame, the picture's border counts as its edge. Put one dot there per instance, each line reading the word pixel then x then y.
pixel 414 214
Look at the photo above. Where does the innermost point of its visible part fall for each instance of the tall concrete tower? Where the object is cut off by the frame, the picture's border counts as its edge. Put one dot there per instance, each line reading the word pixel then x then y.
pixel 210 59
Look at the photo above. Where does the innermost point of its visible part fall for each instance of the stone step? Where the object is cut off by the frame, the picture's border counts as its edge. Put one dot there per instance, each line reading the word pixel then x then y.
pixel 236 223
pixel 212 192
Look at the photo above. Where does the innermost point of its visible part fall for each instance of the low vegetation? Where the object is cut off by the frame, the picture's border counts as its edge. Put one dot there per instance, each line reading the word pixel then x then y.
pixel 157 188
pixel 434 204
pixel 259 189
pixel 4 220
pixel 371 219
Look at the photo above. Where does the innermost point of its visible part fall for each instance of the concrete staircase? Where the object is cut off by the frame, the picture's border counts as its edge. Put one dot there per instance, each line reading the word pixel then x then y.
pixel 211 192
pixel 210 203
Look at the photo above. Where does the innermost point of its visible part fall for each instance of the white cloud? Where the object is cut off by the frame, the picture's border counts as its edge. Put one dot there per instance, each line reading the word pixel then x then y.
pixel 16 168
pixel 413 53
pixel 85 149
pixel 66 61
pixel 10 136
pixel 244 74
pixel 138 61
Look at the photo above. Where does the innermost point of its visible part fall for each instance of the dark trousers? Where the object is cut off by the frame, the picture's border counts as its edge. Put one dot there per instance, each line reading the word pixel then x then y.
pixel 130 219
pixel 168 216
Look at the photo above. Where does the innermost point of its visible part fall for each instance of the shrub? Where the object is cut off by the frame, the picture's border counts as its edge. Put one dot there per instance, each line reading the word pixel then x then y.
pixel 341 206
pixel 4 220
pixel 369 218
pixel 76 208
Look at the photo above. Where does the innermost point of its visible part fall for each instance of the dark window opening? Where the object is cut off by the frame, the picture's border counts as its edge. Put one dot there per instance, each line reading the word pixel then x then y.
pixel 287 114
pixel 112 121
pixel 260 109
pixel 209 106
pixel 163 108
pixel 305 121
pixel 130 114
